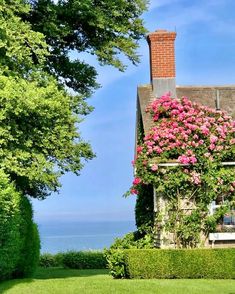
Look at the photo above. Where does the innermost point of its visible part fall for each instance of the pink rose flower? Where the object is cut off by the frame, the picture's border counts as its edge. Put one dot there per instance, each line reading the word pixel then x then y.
pixel 134 191
pixel 196 178
pixel 137 181
pixel 213 139
pixel 139 149
pixel 154 167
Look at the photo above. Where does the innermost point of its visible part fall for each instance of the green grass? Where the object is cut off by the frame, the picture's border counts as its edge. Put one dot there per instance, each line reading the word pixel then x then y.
pixel 67 281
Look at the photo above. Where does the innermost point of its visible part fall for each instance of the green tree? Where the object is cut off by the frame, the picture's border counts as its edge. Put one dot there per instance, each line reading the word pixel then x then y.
pixel 39 116
pixel 107 29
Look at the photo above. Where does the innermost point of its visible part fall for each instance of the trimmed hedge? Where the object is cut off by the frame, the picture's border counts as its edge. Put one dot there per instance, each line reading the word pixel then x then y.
pixel 30 251
pixel 176 263
pixel 84 260
pixel 19 238
pixel 10 218
pixel 74 259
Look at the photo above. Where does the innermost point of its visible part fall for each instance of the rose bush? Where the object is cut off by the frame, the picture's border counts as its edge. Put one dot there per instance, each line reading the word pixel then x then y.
pixel 200 139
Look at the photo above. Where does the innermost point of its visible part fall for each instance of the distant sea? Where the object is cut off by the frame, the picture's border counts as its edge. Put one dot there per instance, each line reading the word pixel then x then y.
pixel 61 237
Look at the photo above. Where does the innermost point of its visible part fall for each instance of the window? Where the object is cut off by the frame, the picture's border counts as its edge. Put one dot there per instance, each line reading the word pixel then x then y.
pixel 229 218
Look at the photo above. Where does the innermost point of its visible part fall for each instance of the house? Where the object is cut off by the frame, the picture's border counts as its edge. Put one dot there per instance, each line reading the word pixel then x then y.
pixel 162 80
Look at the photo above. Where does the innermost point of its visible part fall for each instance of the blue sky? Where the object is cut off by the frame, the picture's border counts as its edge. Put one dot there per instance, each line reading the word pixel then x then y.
pixel 205 55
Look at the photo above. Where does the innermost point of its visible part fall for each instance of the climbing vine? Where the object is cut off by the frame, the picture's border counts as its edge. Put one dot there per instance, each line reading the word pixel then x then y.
pixel 200 139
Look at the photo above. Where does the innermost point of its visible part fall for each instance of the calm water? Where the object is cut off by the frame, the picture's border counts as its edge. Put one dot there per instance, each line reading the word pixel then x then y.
pixel 58 237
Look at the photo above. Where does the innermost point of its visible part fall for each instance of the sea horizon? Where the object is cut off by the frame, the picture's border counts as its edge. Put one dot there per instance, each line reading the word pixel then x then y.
pixel 62 236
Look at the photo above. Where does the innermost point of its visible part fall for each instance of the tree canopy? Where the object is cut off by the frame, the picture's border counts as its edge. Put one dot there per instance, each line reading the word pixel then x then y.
pixel 106 29
pixel 39 114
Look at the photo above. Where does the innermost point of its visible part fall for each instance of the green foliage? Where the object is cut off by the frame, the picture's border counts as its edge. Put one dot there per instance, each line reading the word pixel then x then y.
pixel 212 221
pixel 74 260
pixel 134 240
pixel 85 26
pixel 180 263
pixel 21 48
pixel 116 263
pixel 10 218
pixel 19 239
pixel 115 254
pixel 39 118
pixel 30 248
pixel 84 260
pixel 40 141
pixel 51 260
pixel 144 210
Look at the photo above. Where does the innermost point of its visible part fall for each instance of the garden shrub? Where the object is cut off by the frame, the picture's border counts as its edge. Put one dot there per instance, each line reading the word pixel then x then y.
pixel 115 254
pixel 59 257
pixel 51 260
pixel 135 239
pixel 116 263
pixel 178 263
pixel 74 259
pixel 10 238
pixel 84 260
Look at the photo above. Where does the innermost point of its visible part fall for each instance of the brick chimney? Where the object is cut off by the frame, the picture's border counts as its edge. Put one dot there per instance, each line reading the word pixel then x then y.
pixel 162 62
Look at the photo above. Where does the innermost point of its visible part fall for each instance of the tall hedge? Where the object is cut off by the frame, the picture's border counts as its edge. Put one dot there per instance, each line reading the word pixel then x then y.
pixel 30 247
pixel 19 239
pixel 10 218
pixel 182 263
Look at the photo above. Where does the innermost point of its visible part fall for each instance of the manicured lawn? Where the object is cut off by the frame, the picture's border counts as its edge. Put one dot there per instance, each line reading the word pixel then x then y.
pixel 65 281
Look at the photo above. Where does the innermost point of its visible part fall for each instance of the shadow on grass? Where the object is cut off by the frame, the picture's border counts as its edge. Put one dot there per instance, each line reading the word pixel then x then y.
pixel 61 273
pixel 52 273
pixel 6 285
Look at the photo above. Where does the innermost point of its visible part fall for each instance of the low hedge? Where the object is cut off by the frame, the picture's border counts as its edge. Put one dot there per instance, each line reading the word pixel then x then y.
pixel 84 260
pixel 175 263
pixel 51 260
pixel 75 260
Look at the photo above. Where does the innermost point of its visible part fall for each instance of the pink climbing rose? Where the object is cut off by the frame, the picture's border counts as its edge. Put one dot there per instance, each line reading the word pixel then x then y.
pixel 185 132
pixel 136 181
